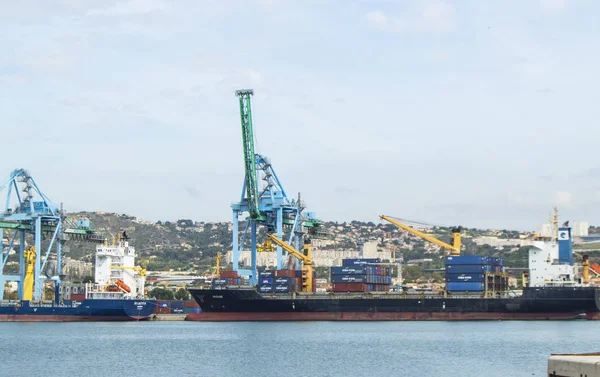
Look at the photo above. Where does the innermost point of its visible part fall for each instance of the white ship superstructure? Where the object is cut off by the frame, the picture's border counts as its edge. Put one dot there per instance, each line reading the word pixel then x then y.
pixel 551 258
pixel 116 274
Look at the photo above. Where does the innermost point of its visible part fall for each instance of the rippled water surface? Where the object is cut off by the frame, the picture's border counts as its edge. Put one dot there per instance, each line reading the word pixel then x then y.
pixel 289 348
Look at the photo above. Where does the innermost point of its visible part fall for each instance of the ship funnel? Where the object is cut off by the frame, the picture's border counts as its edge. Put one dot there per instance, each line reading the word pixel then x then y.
pixel 565 246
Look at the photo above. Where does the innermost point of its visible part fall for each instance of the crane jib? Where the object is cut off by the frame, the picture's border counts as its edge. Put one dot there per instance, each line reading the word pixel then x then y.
pixel 249 156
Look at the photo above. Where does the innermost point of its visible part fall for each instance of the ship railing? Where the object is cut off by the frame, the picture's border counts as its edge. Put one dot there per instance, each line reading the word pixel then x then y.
pixel 372 295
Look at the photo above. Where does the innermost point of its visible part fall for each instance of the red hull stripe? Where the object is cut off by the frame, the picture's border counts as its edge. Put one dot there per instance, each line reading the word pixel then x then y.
pixel 363 316
pixel 64 318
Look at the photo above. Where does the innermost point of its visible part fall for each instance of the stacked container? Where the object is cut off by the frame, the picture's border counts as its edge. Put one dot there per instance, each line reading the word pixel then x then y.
pixel 469 273
pixel 271 282
pixel 359 275
pixel 227 277
pixel 177 307
pixel 191 307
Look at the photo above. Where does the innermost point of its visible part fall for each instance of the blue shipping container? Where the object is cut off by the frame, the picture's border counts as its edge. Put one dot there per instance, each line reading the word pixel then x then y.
pixel 347 270
pixel 463 287
pixel 265 281
pixel 220 281
pixel 467 259
pixel 280 281
pixel 348 278
pixel 465 277
pixel 283 288
pixel 177 304
pixel 265 288
pixel 467 268
pixel 265 274
pixel 359 262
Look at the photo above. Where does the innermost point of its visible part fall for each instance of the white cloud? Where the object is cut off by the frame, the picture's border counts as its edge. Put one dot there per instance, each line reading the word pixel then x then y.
pixel 51 62
pixel 562 198
pixel 553 4
pixel 431 16
pixel 437 15
pixel 132 7
pixel 377 18
pixel 267 3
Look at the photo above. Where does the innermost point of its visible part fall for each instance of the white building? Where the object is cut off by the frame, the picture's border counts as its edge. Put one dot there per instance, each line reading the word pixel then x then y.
pixel 498 242
pixel 580 228
pixel 321 258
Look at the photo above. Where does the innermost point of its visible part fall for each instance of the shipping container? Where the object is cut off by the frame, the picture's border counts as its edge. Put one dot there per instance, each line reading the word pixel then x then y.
pixel 282 288
pixel 265 281
pixel 463 287
pixel 77 296
pixel 348 278
pixel 191 310
pixel 164 304
pixel 285 273
pixel 348 270
pixel 467 268
pixel 177 310
pixel 467 259
pixel 281 281
pixel 220 281
pixel 349 287
pixel 265 288
pixel 465 277
pixel 176 304
pixel 228 274
pixel 359 261
pixel 265 274
pixel 378 270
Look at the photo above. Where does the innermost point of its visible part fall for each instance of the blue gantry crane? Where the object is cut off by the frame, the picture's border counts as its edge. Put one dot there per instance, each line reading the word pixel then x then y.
pixel 265 200
pixel 30 217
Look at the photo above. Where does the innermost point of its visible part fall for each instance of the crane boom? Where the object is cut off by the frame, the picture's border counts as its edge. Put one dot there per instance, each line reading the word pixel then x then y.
pixel 454 249
pixel 305 257
pixel 295 253
pixel 249 156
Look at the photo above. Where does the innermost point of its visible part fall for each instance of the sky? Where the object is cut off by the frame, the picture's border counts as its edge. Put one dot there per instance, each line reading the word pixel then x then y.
pixel 472 113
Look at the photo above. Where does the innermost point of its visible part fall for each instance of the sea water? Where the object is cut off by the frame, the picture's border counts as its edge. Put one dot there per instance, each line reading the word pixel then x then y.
pixel 281 349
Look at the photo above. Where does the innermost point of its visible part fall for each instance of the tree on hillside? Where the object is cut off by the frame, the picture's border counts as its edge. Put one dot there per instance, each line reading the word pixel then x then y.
pixel 412 273
pixel 181 294
pixel 161 294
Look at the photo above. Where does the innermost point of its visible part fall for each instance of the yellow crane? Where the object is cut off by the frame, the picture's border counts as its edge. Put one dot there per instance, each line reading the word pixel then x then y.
pixel 266 247
pixel 305 257
pixel 217 272
pixel 29 269
pixel 454 249
pixel 140 270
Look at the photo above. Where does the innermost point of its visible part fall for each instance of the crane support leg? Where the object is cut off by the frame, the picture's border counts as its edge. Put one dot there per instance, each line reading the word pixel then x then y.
pixel 21 262
pixel 253 279
pixel 38 282
pixel 279 235
pixel 235 249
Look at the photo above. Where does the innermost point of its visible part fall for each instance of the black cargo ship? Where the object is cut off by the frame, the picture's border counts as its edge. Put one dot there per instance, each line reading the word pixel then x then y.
pixel 543 303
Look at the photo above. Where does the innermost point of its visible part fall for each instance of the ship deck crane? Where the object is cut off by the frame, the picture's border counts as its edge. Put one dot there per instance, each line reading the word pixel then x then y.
pixel 30 216
pixel 217 271
pixel 454 249
pixel 305 257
